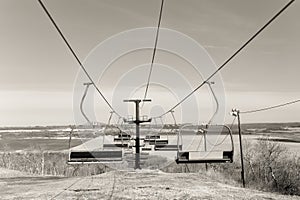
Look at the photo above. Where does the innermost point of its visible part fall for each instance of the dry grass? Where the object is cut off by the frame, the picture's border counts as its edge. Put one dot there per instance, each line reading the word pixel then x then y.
pixel 129 185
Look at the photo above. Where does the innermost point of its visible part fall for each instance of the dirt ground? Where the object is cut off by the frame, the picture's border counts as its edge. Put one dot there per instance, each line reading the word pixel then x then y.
pixel 124 185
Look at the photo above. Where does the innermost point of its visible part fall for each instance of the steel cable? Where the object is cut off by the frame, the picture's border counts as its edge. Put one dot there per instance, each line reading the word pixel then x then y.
pixel 154 49
pixel 270 107
pixel 74 54
pixel 231 57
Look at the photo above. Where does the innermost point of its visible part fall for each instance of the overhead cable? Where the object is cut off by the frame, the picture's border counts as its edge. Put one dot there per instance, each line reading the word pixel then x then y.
pixel 76 57
pixel 270 107
pixel 231 57
pixel 154 49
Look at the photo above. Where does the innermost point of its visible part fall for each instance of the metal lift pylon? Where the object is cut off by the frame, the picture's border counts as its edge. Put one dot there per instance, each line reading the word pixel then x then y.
pixel 137 122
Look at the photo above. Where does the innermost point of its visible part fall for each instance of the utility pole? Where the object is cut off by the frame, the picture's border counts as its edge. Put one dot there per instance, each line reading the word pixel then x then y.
pixel 236 113
pixel 137 123
pixel 205 146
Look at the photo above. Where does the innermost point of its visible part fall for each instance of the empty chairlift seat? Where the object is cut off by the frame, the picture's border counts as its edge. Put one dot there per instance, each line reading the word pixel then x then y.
pixel 123 137
pixel 115 145
pixel 210 156
pixel 158 141
pixel 167 147
pixel 148 148
pixel 204 157
pixel 151 137
pixel 95 156
pixel 122 140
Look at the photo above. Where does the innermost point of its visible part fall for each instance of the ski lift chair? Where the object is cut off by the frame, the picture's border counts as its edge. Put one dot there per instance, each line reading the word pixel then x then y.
pixel 102 156
pixel 155 136
pixel 212 156
pixel 81 154
pixel 96 151
pixel 164 145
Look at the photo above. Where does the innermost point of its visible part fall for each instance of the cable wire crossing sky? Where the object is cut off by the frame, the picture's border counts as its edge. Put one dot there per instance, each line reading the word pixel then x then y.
pixel 38 71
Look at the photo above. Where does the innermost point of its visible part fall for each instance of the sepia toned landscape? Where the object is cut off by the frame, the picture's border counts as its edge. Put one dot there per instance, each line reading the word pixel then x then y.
pixel 149 99
pixel 35 167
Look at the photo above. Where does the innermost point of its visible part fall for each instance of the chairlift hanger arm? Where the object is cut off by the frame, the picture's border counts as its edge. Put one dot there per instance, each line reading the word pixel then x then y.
pixel 216 100
pixel 173 116
pixel 82 100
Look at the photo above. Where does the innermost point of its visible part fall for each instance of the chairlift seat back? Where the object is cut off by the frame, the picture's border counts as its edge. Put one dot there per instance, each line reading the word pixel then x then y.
pixel 158 141
pixel 204 157
pixel 167 147
pixel 122 139
pixel 95 156
pixel 152 137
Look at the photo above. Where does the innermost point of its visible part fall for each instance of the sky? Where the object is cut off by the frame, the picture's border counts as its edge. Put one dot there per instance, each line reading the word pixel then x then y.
pixel 38 73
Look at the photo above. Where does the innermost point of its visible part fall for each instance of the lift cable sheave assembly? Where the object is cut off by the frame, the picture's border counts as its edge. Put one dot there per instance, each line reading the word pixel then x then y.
pixel 231 57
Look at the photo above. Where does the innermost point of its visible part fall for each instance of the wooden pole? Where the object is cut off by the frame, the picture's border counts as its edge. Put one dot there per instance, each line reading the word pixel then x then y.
pixel 241 148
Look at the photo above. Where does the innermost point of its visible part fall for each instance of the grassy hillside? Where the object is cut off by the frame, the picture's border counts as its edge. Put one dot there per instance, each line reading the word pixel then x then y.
pixel 128 185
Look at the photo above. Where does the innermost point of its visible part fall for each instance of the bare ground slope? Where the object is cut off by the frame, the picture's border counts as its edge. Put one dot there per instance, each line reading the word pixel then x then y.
pixel 124 185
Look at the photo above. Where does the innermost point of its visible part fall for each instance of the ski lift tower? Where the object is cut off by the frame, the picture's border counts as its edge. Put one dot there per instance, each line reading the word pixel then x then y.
pixel 137 122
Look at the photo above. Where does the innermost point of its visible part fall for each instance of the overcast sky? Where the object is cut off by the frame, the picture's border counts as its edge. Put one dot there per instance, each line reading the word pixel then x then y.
pixel 37 72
